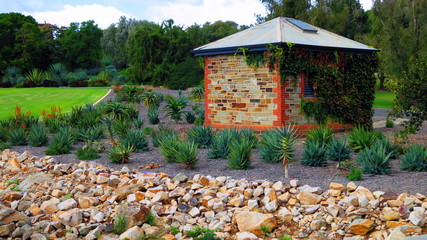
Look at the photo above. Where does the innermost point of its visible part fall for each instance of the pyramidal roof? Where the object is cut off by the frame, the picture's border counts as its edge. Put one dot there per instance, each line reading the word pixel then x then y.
pixel 283 30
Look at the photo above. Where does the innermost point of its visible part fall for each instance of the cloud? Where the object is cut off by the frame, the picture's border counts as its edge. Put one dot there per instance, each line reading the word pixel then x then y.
pixel 187 13
pixel 102 15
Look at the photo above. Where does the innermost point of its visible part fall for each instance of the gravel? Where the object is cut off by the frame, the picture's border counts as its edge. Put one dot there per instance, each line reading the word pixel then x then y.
pixel 398 181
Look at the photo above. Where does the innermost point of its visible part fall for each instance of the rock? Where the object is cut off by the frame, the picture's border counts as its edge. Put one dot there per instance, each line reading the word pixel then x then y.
pixel 6 230
pixel 390 216
pixel 307 198
pixel 417 217
pixel 67 204
pixel 351 186
pixel 285 215
pixel 50 206
pixel 38 236
pixel 252 222
pixel 277 186
pixel 336 186
pixel 246 236
pixel 364 192
pixel 87 202
pixel 95 233
pixel 180 178
pixel 71 218
pixel 132 234
pixel 5 212
pixel 101 179
pixel 294 182
pixel 168 237
pixel 396 234
pixel 122 192
pixel 252 203
pixel 360 226
pixel 317 224
pixel 271 206
pixel 136 214
pixel 194 212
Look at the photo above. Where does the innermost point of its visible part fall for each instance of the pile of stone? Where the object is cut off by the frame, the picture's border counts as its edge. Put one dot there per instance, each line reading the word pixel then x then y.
pixel 83 201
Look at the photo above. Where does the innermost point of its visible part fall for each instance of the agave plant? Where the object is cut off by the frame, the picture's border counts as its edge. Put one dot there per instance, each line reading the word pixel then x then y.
pixel 249 134
pixel 338 150
pixel 415 158
pixel 18 137
pixel 240 154
pixel 190 117
pixel 186 152
pixel 201 135
pixel 122 126
pixel 91 134
pixel 161 132
pixel 13 75
pixel 321 134
pixel 108 122
pixel 288 138
pixel 136 140
pixel 38 136
pixel 35 76
pixel 375 159
pixel 153 116
pixel 174 107
pixel 198 93
pixel 104 76
pixel 169 147
pixel 61 142
pixel 314 154
pixel 150 99
pixel 221 142
pixel 58 73
pixel 120 154
pixel 360 138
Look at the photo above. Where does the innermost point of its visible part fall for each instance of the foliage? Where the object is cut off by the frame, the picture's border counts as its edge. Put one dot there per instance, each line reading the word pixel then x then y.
pixel 162 131
pixel 355 174
pixel 13 75
pixel 18 137
pixel 169 147
pixel 186 152
pixel 273 145
pixel 174 230
pixel 321 134
pixel 375 159
pixel 87 154
pixel 136 140
pixel 153 116
pixel 201 135
pixel 198 93
pixel 58 73
pixel 190 117
pixel 240 154
pixel 150 99
pixel 150 220
pixel 174 107
pixel 389 123
pixel 120 154
pixel 38 136
pixel 122 126
pixel 360 138
pixel 314 110
pixel 222 141
pixel 338 150
pixel 314 154
pixel 91 134
pixel 61 142
pixel 415 158
pixel 120 223
pixel 390 148
pixel 4 145
pixel 35 77
pixel 198 233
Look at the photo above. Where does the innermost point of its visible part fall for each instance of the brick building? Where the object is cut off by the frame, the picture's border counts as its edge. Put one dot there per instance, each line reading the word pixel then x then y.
pixel 238 95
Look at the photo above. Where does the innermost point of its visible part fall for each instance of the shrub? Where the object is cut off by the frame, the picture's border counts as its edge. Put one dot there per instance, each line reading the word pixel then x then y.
pixel 186 152
pixel 355 174
pixel 198 93
pixel 38 136
pixel 58 73
pixel 151 99
pixel 240 154
pixel 314 154
pixel 415 158
pixel 360 138
pixel 201 135
pixel 389 147
pixel 61 142
pixel 91 134
pixel 221 142
pixel 169 147
pixel 4 145
pixel 138 123
pixel 78 83
pixel 198 233
pixel 375 160
pixel 338 150
pixel 153 116
pixel 321 134
pixel 18 137
pixel 161 132
pixel 108 122
pixel 174 107
pixel 120 154
pixel 120 224
pixel 13 76
pixel 199 121
pixel 87 154
pixel 190 117
pixel 250 135
pixel 122 126
pixel 136 140
pixel 53 124
pixel 150 220
pixel 271 147
pixel 389 123
pixel 35 77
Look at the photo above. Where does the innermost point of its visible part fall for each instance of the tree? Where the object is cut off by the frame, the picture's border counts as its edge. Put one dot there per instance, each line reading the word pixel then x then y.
pixel 80 45
pixel 286 8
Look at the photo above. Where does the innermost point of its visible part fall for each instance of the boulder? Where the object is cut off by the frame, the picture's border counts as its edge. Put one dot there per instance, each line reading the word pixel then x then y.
pixel 252 222
pixel 133 233
pixel 308 198
pixel 360 226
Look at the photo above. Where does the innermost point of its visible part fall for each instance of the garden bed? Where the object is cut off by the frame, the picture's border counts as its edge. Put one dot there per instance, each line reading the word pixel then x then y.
pixel 396 182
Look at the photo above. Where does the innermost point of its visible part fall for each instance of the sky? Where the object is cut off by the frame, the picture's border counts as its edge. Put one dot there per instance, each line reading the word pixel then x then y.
pixel 106 12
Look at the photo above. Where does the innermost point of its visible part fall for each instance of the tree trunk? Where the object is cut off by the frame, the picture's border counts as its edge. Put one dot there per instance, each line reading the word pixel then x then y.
pixel 285 167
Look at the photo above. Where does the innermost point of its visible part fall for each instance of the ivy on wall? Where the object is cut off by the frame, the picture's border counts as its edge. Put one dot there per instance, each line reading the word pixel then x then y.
pixel 343 82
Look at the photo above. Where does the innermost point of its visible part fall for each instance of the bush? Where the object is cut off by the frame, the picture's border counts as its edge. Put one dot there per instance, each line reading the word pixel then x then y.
pixel 415 158
pixel 190 117
pixel 186 152
pixel 338 150
pixel 169 147
pixel 38 136
pixel 198 93
pixel 18 137
pixel 389 123
pixel 360 138
pixel 12 76
pixel 354 175
pixel 91 134
pixel 389 147
pixel 199 121
pixel 53 124
pixel 161 132
pixel 153 116
pixel 201 135
pixel 78 83
pixel 314 154
pixel 122 127
pixel 249 134
pixel 136 140
pixel 375 160
pixel 221 142
pixel 61 142
pixel 138 123
pixel 240 154
pixel 151 99
pixel 4 145
pixel 321 134
pixel 87 154
pixel 120 154
pixel 271 147
pixel 174 107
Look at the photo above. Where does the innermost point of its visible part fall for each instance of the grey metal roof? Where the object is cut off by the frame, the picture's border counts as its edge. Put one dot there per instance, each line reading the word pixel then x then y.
pixel 279 31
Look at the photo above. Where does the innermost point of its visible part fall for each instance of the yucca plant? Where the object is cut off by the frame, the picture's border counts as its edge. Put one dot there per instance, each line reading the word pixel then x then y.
pixel 169 147
pixel 338 150
pixel 201 135
pixel 120 154
pixel 91 134
pixel 269 146
pixel 104 76
pixel 221 142
pixel 122 126
pixel 138 123
pixel 174 107
pixel 18 137
pixel 415 158
pixel 249 134
pixel 360 138
pixel 199 121
pixel 375 159
pixel 61 142
pixel 390 147
pixel 53 124
pixel 198 93
pixel 58 73
pixel 314 154
pixel 35 76
pixel 186 152
pixel 38 136
pixel 117 109
pixel 151 99
pixel 240 153
pixel 153 116
pixel 108 122
pixel 321 134
pixel 135 139
pixel 161 132
pixel 190 117
pixel 87 154
pixel 13 75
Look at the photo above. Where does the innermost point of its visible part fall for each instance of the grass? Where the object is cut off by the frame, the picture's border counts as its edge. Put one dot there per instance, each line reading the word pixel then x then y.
pixel 384 100
pixel 37 99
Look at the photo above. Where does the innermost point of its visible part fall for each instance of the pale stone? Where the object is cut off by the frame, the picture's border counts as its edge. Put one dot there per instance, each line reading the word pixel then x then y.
pixel 271 206
pixel 294 182
pixel 351 186
pixel 102 179
pixel 364 192
pixel 277 186
pixel 194 212
pixel 336 186
pixel 50 206
pixel 252 222
pixel 67 204
pixel 285 215
pixel 417 218
pixel 396 234
pixel 246 236
pixel 132 233
pixel 378 194
pixel 6 230
pixel 252 203
pixel 307 198
pixel 71 218
pixel 390 216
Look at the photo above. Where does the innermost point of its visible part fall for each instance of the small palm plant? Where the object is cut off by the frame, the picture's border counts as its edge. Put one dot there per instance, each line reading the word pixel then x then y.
pixel 120 154
pixel 169 147
pixel 150 99
pixel 322 134
pixel 286 146
pixel 35 76
pixel 361 138
pixel 174 107
pixel 198 93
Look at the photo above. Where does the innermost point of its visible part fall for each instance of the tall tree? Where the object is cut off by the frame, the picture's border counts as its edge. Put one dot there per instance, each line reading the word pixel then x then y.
pixel 286 8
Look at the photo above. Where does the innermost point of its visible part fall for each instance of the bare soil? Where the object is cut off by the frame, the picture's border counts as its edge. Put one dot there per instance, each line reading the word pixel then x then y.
pixel 398 181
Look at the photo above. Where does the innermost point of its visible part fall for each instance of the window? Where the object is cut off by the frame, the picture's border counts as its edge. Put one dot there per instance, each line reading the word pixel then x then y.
pixel 308 89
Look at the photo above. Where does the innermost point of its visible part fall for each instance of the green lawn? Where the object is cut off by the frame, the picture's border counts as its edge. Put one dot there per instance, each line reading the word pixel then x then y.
pixel 384 100
pixel 37 99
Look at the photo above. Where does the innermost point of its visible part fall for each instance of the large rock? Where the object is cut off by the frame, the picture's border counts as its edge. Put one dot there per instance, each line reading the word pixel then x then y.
pixel 308 198
pixel 71 218
pixel 360 226
pixel 67 204
pixel 246 236
pixel 136 214
pixel 6 230
pixel 252 222
pixel 133 233
pixel 122 192
pixel 51 206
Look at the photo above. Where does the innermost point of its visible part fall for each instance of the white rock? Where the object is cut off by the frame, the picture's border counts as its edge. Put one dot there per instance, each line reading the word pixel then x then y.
pixel 194 212
pixel 67 204
pixel 271 206
pixel 252 203
pixel 132 233
pixel 246 236
pixel 294 182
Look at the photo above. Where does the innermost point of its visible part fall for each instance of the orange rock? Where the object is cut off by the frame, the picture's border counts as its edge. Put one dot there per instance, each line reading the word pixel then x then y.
pixel 168 237
pixel 139 196
pixel 14 217
pixel 14 162
pixel 35 210
pixel 393 224
pixel 361 226
pixel 204 181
